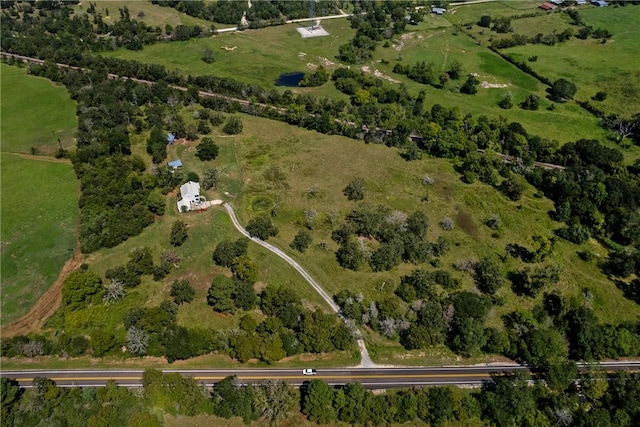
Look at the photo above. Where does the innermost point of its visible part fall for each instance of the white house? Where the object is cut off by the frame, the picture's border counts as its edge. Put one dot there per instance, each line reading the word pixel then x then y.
pixel 190 197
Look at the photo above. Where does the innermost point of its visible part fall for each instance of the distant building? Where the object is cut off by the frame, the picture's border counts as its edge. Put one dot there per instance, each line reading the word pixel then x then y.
pixel 581 2
pixel 175 164
pixel 438 10
pixel 190 197
pixel 599 3
pixel 170 138
pixel 556 2
pixel 547 6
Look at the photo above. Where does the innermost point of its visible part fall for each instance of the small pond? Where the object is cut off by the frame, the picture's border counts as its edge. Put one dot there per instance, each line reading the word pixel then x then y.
pixel 290 79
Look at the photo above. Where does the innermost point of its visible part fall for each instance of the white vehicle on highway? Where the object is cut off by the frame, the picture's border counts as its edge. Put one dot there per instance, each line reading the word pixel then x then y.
pixel 309 371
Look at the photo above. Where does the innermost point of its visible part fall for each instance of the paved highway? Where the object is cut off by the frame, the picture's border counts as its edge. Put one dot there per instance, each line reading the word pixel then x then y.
pixel 371 378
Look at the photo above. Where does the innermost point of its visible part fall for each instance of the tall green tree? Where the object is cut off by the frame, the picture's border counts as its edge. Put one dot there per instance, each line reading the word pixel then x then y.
pixel 182 291
pixel 220 295
pixel 317 402
pixel 179 233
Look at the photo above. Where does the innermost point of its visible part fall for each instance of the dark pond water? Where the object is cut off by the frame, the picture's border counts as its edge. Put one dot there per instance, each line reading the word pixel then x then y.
pixel 290 79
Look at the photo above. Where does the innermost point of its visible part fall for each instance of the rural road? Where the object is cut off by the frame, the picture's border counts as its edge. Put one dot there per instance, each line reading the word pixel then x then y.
pixel 365 361
pixel 373 378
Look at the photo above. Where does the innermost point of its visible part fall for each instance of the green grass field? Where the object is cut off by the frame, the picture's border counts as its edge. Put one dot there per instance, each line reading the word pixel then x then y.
pixel 278 50
pixel 330 162
pixel 567 122
pixel 39 194
pixel 151 14
pixel 34 113
pixel 39 210
pixel 469 13
pixel 592 65
pixel 253 56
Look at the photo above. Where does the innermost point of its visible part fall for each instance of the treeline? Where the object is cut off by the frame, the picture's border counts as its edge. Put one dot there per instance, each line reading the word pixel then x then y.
pixel 586 399
pixel 261 12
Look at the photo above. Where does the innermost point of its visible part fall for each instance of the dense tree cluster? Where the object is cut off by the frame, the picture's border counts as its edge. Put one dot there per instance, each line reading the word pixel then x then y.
pixel 570 398
pixel 400 238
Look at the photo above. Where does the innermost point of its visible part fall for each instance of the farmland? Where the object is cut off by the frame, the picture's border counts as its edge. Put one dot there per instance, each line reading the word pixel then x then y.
pixel 54 115
pixel 280 49
pixel 590 64
pixel 39 194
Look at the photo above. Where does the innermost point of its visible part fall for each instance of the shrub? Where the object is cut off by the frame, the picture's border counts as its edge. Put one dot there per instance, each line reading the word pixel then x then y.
pixel 447 224
pixel 233 126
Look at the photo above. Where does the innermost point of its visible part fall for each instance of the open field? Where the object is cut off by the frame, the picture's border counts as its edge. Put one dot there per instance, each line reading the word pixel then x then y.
pixel 306 158
pixel 568 122
pixel 151 14
pixel 39 210
pixel 278 50
pixel 253 56
pixel 39 194
pixel 592 65
pixel 463 14
pixel 34 113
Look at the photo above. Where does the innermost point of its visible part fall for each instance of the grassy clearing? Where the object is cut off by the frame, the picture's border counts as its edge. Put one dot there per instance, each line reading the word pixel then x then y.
pixel 28 123
pixel 39 213
pixel 253 56
pixel 567 122
pixel 463 14
pixel 151 14
pixel 307 158
pixel 592 65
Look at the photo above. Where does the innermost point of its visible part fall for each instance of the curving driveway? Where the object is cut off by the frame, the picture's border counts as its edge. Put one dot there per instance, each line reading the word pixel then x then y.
pixel 365 360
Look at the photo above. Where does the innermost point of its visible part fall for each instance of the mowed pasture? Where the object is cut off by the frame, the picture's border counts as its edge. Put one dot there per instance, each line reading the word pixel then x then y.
pixel 470 13
pixel 39 194
pixel 253 56
pixel 498 78
pixel 34 113
pixel 591 65
pixel 39 214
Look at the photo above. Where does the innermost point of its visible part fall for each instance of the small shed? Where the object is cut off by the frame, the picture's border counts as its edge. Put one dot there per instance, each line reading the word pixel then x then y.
pixel 557 2
pixel 170 138
pixel 175 164
pixel 599 3
pixel 438 10
pixel 581 2
pixel 190 197
pixel 547 6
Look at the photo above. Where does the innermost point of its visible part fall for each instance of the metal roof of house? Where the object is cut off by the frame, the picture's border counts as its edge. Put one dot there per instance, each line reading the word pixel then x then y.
pixel 170 137
pixel 190 189
pixel 175 164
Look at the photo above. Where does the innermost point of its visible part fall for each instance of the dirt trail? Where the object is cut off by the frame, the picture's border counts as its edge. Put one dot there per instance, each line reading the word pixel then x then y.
pixel 49 302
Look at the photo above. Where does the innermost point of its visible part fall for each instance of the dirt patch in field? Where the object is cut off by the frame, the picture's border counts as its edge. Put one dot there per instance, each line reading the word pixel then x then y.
pixel 467 224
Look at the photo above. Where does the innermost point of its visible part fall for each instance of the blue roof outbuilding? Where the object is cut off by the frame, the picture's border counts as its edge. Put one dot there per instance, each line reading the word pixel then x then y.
pixel 175 164
pixel 600 3
pixel 170 138
pixel 438 10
